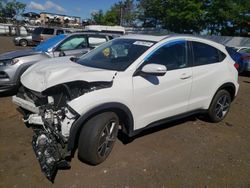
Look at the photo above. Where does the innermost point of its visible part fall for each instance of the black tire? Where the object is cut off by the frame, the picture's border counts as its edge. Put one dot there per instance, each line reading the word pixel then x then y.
pixel 219 106
pixel 97 138
pixel 23 42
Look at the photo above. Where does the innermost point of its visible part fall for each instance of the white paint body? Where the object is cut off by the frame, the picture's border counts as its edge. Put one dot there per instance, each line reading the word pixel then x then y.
pixel 177 92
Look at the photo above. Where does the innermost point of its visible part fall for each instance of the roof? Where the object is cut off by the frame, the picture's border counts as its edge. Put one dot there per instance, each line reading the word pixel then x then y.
pixel 155 38
pixel 145 37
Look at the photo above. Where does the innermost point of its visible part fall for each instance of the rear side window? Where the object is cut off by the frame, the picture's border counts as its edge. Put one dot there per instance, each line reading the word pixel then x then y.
pixel 38 30
pixel 96 41
pixel 58 32
pixel 205 54
pixel 48 31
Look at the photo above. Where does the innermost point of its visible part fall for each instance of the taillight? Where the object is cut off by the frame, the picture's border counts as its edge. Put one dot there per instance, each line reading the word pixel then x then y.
pixel 237 66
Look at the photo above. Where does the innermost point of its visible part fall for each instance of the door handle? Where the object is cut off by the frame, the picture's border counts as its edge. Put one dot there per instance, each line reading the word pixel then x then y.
pixel 185 76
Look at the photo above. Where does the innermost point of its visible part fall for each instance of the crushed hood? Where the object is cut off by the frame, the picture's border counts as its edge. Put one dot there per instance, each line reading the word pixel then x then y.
pixel 52 72
pixel 18 53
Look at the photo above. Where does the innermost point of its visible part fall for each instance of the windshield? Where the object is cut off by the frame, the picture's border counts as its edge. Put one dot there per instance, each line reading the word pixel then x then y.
pixel 49 43
pixel 117 54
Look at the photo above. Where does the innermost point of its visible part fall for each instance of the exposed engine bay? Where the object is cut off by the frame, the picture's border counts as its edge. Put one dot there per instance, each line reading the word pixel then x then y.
pixel 50 117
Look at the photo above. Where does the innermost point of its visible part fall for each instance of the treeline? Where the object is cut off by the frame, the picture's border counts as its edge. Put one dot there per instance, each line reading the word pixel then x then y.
pixel 227 17
pixel 10 10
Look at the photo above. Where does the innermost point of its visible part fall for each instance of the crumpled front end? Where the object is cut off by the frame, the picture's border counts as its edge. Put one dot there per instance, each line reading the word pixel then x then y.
pixel 48 114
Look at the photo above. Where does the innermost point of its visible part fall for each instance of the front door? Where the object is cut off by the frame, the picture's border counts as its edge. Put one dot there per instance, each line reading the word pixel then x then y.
pixel 159 97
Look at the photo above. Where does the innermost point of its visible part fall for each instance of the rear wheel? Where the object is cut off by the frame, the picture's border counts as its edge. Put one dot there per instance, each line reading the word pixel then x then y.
pixel 97 138
pixel 220 105
pixel 23 42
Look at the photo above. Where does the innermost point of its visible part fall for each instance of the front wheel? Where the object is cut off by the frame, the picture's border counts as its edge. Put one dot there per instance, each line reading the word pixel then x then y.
pixel 219 107
pixel 97 138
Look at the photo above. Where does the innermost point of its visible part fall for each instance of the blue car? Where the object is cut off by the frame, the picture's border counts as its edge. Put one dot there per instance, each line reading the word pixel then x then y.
pixel 237 57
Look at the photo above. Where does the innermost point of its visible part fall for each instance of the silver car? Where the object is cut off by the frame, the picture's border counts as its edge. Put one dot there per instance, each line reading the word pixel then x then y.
pixel 23 41
pixel 13 64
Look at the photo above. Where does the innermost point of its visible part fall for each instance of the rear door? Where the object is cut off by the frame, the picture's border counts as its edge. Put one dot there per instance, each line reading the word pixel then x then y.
pixel 207 71
pixel 36 34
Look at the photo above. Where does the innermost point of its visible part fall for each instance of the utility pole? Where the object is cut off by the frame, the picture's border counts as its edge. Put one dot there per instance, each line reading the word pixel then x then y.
pixel 121 13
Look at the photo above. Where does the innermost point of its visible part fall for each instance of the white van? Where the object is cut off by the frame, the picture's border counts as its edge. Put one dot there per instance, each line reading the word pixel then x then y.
pixel 105 29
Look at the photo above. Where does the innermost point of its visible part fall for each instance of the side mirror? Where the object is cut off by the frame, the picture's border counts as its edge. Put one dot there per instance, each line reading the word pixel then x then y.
pixel 154 69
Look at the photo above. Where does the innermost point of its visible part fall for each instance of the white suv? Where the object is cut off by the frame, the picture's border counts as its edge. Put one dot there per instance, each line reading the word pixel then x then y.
pixel 130 83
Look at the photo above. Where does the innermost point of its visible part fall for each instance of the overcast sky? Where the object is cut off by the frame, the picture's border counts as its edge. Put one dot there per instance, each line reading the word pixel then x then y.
pixel 81 8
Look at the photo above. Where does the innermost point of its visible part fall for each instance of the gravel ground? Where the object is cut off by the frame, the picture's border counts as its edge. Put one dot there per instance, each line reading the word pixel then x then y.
pixel 188 153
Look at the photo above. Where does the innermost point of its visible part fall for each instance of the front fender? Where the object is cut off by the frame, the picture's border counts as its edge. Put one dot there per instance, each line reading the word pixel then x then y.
pixel 77 125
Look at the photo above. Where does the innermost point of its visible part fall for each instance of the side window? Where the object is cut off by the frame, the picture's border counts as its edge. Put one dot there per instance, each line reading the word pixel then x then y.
pixel 72 43
pixel 205 54
pixel 173 55
pixel 96 41
pixel 48 31
pixel 58 32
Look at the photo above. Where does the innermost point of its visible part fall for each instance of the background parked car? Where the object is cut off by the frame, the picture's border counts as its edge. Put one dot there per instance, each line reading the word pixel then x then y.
pixel 242 54
pixel 42 33
pixel 236 56
pixel 13 64
pixel 245 55
pixel 23 41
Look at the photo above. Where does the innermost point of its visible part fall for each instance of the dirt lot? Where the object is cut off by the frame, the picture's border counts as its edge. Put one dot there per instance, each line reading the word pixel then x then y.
pixel 188 153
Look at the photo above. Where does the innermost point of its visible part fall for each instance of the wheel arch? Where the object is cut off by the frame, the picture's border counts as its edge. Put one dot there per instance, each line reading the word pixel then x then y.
pixel 121 110
pixel 230 87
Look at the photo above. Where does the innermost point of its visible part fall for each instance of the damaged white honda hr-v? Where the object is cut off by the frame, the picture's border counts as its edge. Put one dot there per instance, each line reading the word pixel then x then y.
pixel 128 84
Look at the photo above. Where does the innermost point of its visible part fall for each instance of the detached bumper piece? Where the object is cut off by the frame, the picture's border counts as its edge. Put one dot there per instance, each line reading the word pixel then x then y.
pixel 48 153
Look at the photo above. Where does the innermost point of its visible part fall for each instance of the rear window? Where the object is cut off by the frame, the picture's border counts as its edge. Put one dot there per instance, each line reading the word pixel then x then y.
pixel 38 30
pixel 245 50
pixel 58 32
pixel 48 31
